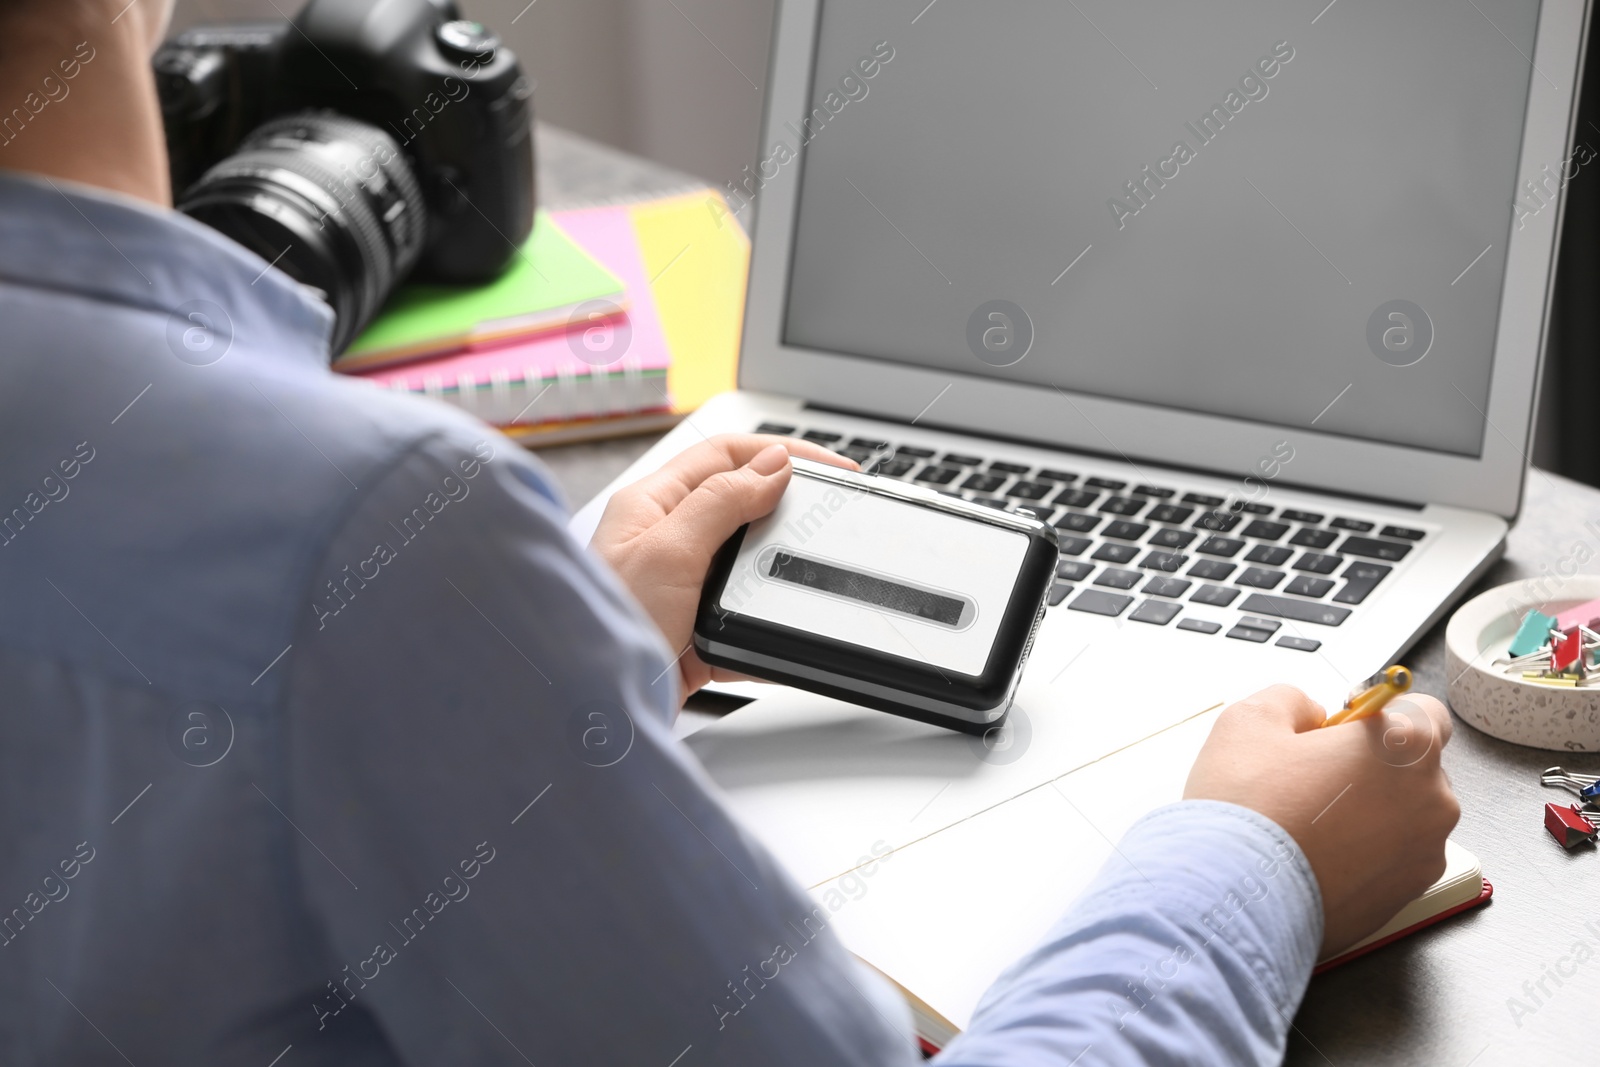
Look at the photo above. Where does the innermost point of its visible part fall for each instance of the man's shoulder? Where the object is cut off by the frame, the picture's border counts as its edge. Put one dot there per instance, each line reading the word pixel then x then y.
pixel 190 503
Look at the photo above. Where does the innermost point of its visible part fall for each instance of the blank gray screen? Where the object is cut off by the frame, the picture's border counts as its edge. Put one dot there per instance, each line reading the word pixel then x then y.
pixel 1373 165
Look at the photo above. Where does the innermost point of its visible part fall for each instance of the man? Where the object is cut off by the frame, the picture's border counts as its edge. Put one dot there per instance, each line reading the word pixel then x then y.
pixel 303 683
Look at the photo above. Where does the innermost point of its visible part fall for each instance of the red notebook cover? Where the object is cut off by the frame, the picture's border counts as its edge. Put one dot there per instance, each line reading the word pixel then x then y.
pixel 1482 898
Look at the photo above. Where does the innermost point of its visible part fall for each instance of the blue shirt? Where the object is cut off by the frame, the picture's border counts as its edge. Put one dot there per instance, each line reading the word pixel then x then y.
pixel 324 740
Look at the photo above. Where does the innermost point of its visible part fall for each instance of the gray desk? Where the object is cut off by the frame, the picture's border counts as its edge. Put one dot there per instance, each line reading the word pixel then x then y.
pixel 1439 998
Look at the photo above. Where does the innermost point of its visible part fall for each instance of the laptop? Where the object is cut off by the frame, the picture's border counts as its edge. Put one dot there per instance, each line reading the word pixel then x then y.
pixel 1247 299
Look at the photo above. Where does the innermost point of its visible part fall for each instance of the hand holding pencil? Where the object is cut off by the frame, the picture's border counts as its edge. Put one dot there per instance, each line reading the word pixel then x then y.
pixel 1369 806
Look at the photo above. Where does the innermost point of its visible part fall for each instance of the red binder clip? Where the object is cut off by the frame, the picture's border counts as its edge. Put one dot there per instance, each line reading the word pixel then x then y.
pixel 1568 825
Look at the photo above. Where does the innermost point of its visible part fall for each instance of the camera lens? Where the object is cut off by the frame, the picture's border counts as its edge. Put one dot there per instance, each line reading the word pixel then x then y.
pixel 330 200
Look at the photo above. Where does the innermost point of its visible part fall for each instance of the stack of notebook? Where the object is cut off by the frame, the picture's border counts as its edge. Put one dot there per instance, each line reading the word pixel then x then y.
pixel 611 320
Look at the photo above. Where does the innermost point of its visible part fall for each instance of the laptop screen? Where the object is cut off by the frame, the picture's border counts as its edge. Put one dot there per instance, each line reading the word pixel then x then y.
pixel 1242 208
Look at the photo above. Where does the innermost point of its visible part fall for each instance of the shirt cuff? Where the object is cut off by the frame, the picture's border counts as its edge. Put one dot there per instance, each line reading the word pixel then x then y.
pixel 1228 875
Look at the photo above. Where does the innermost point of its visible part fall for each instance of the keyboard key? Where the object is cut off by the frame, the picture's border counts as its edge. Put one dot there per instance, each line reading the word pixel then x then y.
pixel 1250 508
pixel 959 459
pixel 983 483
pixel 1049 474
pixel 1153 490
pixel 911 452
pixel 991 502
pixel 860 455
pixel 1078 522
pixel 1221 546
pixel 1077 570
pixel 1405 533
pixel 1009 468
pixel 1250 633
pixel 1305 585
pixel 1034 511
pixel 1115 553
pixel 1260 578
pixel 1112 578
pixel 1298 610
pixel 1271 555
pixel 869 443
pixel 781 429
pixel 1161 585
pixel 1265 531
pixel 937 475
pixel 1031 490
pixel 1317 563
pixel 1059 592
pixel 1093 600
pixel 1202 499
pixel 1170 513
pixel 1074 546
pixel 1371 547
pixel 1219 521
pixel 1163 561
pixel 1170 538
pixel 1353 525
pixel 893 468
pixel 1308 537
pixel 1200 626
pixel 1218 596
pixel 1122 505
pixel 1123 530
pixel 1291 515
pixel 1103 483
pixel 1299 644
pixel 1155 612
pixel 1271 626
pixel 1212 570
pixel 1075 498
pixel 1360 579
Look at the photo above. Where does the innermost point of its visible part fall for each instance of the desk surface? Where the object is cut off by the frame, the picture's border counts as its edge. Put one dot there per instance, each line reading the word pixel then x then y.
pixel 1442 998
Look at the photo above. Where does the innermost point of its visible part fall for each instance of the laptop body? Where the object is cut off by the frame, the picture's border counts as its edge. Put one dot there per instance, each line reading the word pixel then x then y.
pixel 1248 302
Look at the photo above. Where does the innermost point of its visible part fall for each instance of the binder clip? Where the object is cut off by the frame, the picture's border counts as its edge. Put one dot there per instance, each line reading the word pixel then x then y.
pixel 1569 825
pixel 1572 825
pixel 1568 657
pixel 1586 787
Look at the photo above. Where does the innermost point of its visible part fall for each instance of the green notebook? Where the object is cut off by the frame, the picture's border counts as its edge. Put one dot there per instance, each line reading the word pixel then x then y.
pixel 540 290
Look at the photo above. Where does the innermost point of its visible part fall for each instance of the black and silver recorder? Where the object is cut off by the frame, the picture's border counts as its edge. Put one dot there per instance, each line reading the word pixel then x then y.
pixel 881 593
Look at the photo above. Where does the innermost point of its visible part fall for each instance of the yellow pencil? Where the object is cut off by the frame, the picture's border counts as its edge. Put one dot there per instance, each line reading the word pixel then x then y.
pixel 1395 680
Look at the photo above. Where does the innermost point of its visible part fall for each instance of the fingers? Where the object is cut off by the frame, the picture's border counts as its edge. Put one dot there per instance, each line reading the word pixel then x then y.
pixel 1443 726
pixel 685 472
pixel 1280 705
pixel 722 503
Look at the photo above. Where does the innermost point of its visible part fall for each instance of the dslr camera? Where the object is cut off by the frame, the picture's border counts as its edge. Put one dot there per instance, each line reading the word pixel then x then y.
pixel 359 144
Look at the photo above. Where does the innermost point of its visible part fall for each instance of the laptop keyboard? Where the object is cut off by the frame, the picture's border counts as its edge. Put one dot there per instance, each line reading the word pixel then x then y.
pixel 1151 553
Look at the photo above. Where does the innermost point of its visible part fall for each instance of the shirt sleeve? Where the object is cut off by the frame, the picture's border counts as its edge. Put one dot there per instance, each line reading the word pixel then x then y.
pixel 1193 945
pixel 506 855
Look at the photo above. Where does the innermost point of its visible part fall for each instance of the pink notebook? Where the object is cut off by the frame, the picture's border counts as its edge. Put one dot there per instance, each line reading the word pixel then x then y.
pixel 576 373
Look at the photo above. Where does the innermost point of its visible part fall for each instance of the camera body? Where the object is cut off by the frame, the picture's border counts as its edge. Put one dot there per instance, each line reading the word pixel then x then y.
pixel 452 100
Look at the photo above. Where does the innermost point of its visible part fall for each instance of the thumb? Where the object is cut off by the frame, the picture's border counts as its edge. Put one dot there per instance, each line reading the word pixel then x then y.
pixel 718 506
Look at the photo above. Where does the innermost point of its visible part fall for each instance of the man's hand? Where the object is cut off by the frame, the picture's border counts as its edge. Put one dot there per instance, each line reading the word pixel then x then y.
pixel 660 533
pixel 1367 801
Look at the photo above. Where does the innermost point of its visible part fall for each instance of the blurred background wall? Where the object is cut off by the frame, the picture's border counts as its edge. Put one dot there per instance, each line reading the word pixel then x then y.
pixel 677 81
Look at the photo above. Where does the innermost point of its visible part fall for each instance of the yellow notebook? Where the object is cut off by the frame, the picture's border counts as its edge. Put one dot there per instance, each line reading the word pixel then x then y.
pixel 698 268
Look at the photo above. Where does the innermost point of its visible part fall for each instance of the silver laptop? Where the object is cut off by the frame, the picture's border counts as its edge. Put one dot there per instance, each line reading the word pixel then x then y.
pixel 1248 299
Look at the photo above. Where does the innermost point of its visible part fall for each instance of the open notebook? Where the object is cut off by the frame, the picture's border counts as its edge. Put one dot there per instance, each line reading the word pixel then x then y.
pixel 944 916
